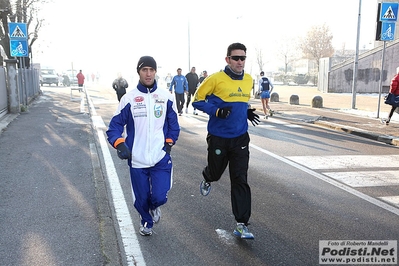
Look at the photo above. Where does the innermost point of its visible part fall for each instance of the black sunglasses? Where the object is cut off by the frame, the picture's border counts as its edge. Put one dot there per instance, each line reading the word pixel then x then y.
pixel 238 57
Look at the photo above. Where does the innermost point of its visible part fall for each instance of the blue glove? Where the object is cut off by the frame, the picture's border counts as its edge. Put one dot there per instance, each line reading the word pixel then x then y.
pixel 254 118
pixel 123 151
pixel 223 112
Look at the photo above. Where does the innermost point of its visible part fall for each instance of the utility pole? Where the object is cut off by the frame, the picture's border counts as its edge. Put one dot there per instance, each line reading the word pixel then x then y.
pixel 189 43
pixel 356 62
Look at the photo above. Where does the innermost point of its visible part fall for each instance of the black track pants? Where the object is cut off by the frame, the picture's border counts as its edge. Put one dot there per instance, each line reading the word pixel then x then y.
pixel 235 153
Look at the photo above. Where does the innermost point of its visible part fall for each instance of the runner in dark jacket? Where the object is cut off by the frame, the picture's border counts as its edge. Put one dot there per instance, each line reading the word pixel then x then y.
pixel 120 84
pixel 192 79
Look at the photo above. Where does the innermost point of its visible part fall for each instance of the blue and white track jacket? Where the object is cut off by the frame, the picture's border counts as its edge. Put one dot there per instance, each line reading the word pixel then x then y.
pixel 180 83
pixel 150 116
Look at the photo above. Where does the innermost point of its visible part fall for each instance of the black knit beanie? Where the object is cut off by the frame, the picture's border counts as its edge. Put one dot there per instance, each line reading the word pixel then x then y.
pixel 146 61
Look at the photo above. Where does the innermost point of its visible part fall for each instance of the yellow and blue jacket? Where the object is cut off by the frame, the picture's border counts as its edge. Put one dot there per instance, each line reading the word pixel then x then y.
pixel 223 90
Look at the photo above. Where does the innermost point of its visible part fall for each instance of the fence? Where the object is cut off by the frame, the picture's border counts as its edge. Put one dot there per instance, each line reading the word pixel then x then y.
pixel 28 87
pixel 3 93
pixel 28 84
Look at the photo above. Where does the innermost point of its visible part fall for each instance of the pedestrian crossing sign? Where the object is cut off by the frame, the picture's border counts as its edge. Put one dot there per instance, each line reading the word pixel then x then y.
pixel 389 12
pixel 18 31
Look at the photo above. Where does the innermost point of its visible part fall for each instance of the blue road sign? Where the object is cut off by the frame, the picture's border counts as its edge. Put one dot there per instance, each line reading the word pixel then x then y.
pixel 388 31
pixel 18 31
pixel 19 48
pixel 389 12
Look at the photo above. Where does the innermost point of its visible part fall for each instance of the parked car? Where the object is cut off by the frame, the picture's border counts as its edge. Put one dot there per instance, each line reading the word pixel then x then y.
pixel 48 76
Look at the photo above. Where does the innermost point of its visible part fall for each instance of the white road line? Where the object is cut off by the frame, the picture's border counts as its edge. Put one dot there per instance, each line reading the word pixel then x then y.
pixel 131 245
pixel 130 242
pixel 91 105
pixel 294 126
pixel 278 121
pixel 265 126
pixel 326 179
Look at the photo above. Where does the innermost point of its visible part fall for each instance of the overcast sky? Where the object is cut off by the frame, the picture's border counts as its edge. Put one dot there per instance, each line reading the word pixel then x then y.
pixel 110 36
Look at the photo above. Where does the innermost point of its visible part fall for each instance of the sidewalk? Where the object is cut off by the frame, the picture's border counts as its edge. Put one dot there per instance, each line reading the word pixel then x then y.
pixel 336 112
pixel 53 201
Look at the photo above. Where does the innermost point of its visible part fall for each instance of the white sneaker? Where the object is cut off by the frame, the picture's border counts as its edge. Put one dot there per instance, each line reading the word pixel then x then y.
pixel 186 110
pixel 384 121
pixel 145 231
pixel 156 214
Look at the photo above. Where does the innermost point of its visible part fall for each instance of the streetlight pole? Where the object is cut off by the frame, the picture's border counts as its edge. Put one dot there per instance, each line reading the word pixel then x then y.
pixel 189 43
pixel 356 61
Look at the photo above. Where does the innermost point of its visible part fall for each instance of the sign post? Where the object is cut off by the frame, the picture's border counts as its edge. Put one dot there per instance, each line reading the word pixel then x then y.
pixel 19 48
pixel 18 39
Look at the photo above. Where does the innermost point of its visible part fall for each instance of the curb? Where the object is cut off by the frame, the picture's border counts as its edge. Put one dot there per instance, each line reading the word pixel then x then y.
pixel 360 132
pixel 6 120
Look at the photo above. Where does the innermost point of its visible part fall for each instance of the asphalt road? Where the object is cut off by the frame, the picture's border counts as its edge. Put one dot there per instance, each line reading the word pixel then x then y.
pixel 66 196
pixel 299 196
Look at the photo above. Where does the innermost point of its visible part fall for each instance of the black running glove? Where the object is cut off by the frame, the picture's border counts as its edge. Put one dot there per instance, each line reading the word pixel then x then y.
pixel 123 151
pixel 223 112
pixel 167 147
pixel 254 118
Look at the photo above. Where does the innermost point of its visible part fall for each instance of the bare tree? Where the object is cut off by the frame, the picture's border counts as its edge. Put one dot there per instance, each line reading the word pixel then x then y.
pixel 343 54
pixel 317 43
pixel 259 58
pixel 20 11
pixel 288 51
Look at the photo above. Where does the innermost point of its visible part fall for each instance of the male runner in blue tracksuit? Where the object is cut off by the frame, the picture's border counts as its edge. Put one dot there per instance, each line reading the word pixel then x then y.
pixel 181 86
pixel 152 128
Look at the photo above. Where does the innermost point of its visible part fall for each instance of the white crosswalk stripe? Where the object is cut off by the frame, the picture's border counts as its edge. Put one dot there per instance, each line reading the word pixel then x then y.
pixel 394 200
pixel 344 169
pixel 346 161
pixel 366 178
